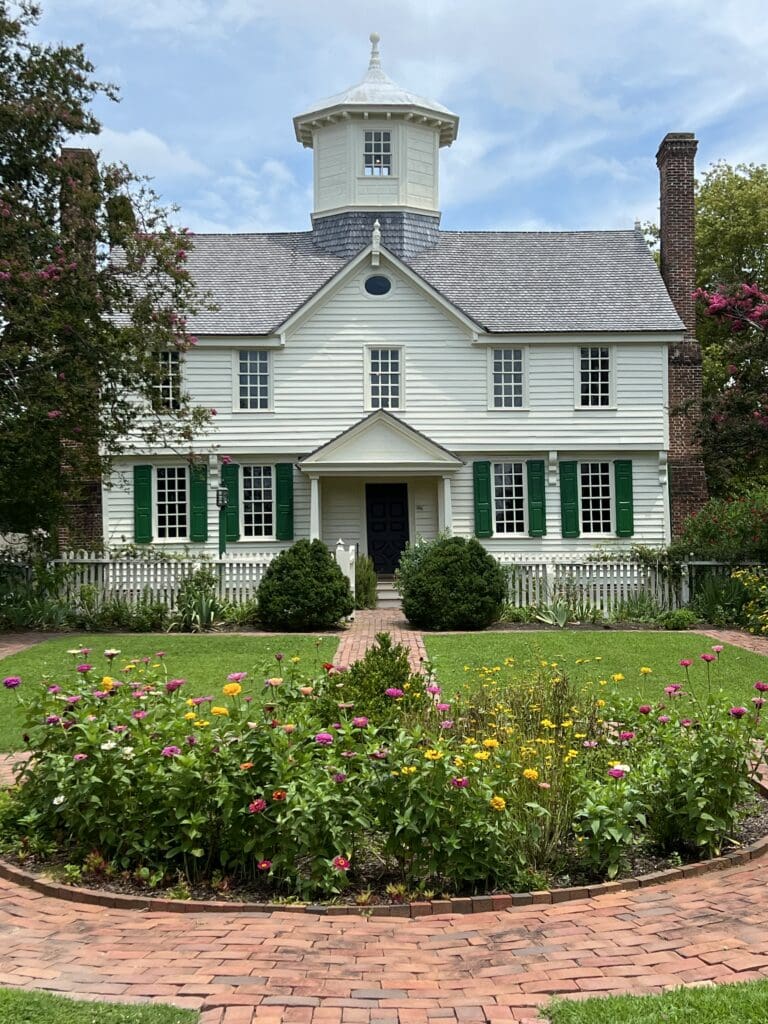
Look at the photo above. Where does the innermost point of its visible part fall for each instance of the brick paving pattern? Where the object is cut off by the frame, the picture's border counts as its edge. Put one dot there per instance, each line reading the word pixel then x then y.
pixel 362 632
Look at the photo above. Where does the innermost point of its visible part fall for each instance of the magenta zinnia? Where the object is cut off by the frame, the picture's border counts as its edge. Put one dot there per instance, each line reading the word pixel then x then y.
pixel 325 739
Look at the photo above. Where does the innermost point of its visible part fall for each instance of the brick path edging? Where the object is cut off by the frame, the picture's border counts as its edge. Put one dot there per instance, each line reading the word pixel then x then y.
pixel 424 908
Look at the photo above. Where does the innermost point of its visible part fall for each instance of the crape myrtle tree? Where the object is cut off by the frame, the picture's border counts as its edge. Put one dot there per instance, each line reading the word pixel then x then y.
pixel 93 287
pixel 735 412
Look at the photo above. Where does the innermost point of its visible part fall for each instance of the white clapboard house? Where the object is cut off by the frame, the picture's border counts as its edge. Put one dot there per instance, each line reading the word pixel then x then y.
pixel 378 379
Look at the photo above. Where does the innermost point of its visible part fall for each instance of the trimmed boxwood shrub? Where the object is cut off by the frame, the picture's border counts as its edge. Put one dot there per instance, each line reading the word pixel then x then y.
pixel 303 588
pixel 451 583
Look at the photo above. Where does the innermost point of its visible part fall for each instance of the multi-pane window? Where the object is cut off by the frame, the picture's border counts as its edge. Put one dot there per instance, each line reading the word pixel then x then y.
pixel 385 378
pixel 509 497
pixel 595 377
pixel 253 379
pixel 595 481
pixel 169 387
pixel 507 378
pixel 172 507
pixel 377 154
pixel 258 503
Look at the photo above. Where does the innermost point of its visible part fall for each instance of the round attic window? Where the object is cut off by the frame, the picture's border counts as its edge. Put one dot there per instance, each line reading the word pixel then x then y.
pixel 377 284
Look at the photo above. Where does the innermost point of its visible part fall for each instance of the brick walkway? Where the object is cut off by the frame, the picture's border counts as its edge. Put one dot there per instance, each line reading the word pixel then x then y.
pixel 320 970
pixel 367 623
pixel 756 644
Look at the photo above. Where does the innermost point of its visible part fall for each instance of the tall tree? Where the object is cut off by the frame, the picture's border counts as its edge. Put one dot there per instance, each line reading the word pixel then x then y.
pixel 93 287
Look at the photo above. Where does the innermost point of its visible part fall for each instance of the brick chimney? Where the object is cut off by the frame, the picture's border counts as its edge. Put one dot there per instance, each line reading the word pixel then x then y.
pixel 687 485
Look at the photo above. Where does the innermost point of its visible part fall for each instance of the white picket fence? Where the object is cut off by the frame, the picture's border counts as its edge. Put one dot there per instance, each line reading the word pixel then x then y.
pixel 134 580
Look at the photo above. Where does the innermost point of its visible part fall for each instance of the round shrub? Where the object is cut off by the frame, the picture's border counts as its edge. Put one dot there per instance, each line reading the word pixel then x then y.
pixel 452 584
pixel 303 588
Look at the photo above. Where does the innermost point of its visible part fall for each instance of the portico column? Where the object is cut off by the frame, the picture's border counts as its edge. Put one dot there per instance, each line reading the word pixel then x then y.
pixel 446 526
pixel 314 508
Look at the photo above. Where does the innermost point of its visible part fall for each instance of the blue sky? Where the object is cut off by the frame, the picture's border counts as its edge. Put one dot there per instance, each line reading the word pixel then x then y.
pixel 562 104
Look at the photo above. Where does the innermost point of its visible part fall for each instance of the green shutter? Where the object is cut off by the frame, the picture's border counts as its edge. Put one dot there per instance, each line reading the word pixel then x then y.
pixel 230 478
pixel 483 504
pixel 569 498
pixel 625 520
pixel 284 501
pixel 198 504
pixel 142 504
pixel 537 501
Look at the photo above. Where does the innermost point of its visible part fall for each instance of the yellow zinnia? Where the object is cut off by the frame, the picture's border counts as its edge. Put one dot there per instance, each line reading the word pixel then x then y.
pixel 482 755
pixel 190 716
pixel 498 803
pixel 107 683
pixel 531 773
pixel 645 671
pixel 433 755
pixel 491 744
pixel 617 677
pixel 219 711
pixel 232 689
pixel 408 769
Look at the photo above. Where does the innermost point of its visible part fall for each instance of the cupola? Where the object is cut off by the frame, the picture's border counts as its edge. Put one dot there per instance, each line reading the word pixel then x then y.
pixel 376 156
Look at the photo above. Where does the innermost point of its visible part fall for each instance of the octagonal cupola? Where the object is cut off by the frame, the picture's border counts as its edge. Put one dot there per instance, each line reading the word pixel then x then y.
pixel 376 155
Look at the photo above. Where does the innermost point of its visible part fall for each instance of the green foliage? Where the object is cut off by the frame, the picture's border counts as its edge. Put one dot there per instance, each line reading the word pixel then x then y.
pixel 719 600
pixel 732 225
pixel 640 607
pixel 365 582
pixel 680 618
pixel 303 588
pixel 557 613
pixel 754 610
pixel 75 322
pixel 198 606
pixel 17 1007
pixel 731 529
pixel 451 583
pixel 364 685
pixel 608 825
pixel 524 614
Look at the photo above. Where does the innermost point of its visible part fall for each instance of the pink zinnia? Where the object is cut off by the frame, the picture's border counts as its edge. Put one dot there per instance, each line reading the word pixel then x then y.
pixel 589 744
pixel 686 722
pixel 447 724
pixel 707 657
pixel 197 701
pixel 761 687
pixel 625 737
pixel 11 682
pixel 460 782
pixel 139 713
pixel 74 699
pixel 84 668
pixel 758 702
pixel 341 863
pixel 54 689
pixel 173 685
pixel 663 719
pixel 236 677
pixel 737 712
pixel 264 865
pixel 443 707
pixel 685 663
pixel 433 689
pixel 717 648
pixel 325 739
pixel 360 723
pixel 616 773
pixel 393 692
pixel 80 757
pixel 339 777
pixel 257 806
pixel 673 690
pixel 52 720
pixel 645 709
pixel 171 751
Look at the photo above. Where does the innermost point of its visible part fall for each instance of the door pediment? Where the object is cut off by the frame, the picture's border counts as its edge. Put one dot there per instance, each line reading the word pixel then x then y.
pixel 380 443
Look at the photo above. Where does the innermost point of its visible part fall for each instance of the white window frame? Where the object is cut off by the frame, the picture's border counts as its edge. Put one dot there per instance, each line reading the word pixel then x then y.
pixel 171 401
pixel 522 349
pixel 362 167
pixel 523 531
pixel 611 532
pixel 369 349
pixel 243 534
pixel 611 379
pixel 156 504
pixel 236 407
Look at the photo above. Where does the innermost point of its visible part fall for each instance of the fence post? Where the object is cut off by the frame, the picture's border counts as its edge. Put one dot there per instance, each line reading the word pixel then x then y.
pixel 345 559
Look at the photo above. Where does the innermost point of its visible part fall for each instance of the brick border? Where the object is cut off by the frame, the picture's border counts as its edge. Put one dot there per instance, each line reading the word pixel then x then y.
pixel 425 908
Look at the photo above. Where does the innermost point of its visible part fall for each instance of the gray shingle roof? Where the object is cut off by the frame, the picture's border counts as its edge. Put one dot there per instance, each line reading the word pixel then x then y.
pixel 504 280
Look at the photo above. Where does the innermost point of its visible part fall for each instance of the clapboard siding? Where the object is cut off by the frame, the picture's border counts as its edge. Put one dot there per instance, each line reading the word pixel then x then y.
pixel 319 388
pixel 649 508
pixel 118 511
pixel 342 507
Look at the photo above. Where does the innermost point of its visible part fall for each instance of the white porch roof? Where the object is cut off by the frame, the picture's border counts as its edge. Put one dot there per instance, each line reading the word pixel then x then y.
pixel 380 445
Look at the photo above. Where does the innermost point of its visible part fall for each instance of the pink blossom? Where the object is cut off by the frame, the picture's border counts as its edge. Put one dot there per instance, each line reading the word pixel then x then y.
pixel 74 699
pixel 460 782
pixel 237 677
pixel 197 701
pixel 589 744
pixel 325 739
pixel 393 692
pixel 54 689
pixel 685 663
pixel 52 720
pixel 545 785
pixel 717 648
pixel 617 773
pixel 664 719
pixel 625 737
pixel 11 682
pixel 673 690
pixel 443 707
pixel 360 723
pixel 707 657
pixel 737 712
pixel 447 724
pixel 761 687
pixel 433 689
pixel 171 751
pixel 645 709
pixel 80 757
pixel 257 806
pixel 339 777
pixel 341 863
pixel 139 713
pixel 84 668
pixel 686 722
pixel 758 702
pixel 173 685
pixel 54 414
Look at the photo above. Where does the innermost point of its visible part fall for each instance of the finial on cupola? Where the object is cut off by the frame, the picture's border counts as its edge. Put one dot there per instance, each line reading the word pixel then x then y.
pixel 375 61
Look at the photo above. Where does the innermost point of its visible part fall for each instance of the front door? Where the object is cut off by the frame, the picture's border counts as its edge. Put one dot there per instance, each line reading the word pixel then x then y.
pixel 386 508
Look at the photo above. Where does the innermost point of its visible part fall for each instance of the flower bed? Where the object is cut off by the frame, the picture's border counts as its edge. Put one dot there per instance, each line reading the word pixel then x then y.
pixel 367 780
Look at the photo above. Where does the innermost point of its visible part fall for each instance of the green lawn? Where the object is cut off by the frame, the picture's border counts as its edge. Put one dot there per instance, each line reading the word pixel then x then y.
pixel 204 661
pixel 726 1004
pixel 626 653
pixel 40 1008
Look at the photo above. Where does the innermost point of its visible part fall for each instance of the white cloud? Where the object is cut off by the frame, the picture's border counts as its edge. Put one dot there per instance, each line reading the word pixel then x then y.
pixel 144 152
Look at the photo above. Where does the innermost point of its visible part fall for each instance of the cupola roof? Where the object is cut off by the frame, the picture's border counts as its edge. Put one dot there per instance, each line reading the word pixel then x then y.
pixel 376 93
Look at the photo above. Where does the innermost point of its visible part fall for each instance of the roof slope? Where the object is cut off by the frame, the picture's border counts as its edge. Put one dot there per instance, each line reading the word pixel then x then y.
pixel 506 281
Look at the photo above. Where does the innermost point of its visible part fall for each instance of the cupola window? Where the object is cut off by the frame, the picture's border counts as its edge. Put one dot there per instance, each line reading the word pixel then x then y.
pixel 377 158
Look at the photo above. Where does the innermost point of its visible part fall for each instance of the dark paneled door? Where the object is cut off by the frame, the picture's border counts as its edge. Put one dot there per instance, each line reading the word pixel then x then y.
pixel 386 509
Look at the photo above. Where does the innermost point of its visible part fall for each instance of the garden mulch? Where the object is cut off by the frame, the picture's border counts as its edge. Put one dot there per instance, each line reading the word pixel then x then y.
pixel 309 968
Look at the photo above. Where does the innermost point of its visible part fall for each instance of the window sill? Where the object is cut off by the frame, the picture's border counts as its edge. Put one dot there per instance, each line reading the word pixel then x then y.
pixel 509 408
pixel 595 408
pixel 251 412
